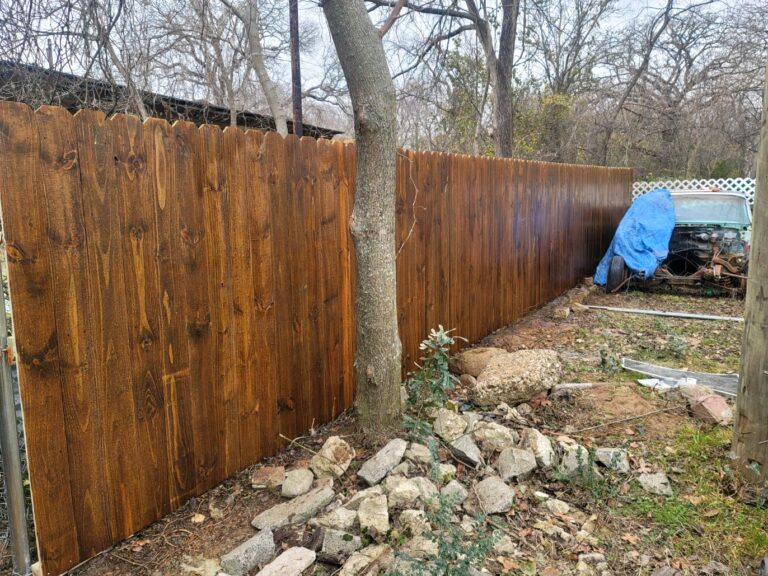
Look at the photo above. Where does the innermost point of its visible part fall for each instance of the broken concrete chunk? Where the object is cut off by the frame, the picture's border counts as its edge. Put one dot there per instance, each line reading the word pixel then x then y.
pixel 449 425
pixel 356 499
pixel 575 462
pixel 339 545
pixel 415 521
pixel 494 496
pixel 402 469
pixel 292 562
pixel 297 482
pixel 333 458
pixel 295 511
pixel 373 515
pixel 402 492
pixel 455 492
pixel 474 360
pixel 515 463
pixel 421 548
pixel 540 445
pixel 472 419
pixel 494 437
pixel 693 392
pixel 385 460
pixel 268 477
pixel 518 376
pixel 254 552
pixel 713 409
pixel 370 561
pixel 657 483
pixel 613 459
pixel 338 519
pixel 418 453
pixel 555 506
pixel 465 449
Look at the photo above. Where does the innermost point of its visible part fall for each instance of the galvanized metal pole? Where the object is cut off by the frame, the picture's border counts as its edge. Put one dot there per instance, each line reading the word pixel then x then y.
pixel 9 445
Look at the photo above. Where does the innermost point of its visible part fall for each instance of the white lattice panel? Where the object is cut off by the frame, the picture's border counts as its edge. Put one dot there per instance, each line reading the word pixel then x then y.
pixel 745 186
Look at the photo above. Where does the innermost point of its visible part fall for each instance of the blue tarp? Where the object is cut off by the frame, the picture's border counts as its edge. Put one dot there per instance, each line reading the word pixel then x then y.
pixel 642 237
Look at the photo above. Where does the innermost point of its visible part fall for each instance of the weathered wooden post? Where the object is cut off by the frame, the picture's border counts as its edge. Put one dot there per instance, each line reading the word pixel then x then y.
pixel 750 435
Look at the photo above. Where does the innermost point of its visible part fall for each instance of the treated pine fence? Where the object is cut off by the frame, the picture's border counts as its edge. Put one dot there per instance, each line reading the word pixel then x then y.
pixel 181 295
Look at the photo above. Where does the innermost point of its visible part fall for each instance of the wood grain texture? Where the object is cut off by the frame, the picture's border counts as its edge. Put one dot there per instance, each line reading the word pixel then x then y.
pixel 181 295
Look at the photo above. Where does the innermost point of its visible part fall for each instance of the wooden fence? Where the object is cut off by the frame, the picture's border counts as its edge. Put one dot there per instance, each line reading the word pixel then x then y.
pixel 181 295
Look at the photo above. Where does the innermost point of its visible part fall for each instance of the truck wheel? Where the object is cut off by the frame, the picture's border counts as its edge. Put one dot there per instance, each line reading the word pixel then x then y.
pixel 617 274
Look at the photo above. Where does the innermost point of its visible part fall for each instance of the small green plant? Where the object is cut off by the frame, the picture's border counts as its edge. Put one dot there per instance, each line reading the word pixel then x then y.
pixel 677 346
pixel 456 554
pixel 608 362
pixel 426 386
pixel 587 476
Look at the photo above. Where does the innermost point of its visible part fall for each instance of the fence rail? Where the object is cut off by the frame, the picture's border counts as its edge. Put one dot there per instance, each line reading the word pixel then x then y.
pixel 181 295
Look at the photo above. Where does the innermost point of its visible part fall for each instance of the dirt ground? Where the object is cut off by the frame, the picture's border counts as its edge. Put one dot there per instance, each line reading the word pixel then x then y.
pixel 708 527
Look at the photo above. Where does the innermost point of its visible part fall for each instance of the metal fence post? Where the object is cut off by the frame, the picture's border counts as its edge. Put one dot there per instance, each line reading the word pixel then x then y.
pixel 9 445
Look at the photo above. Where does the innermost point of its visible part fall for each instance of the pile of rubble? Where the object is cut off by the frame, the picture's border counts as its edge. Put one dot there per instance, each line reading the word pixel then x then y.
pixel 358 531
pixel 481 466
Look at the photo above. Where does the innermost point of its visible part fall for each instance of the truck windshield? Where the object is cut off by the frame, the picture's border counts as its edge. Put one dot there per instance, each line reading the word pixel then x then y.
pixel 711 208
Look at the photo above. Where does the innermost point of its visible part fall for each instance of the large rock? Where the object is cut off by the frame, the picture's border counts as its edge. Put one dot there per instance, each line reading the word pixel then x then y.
pixel 515 463
pixel 295 511
pixel 540 445
pixel 292 562
pixel 255 551
pixel 494 437
pixel 449 425
pixel 474 360
pixel 494 496
pixel 385 460
pixel 373 515
pixel 518 376
pixel 333 459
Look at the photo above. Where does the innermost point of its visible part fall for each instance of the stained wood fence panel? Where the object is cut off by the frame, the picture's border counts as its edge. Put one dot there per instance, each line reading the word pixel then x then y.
pixel 183 295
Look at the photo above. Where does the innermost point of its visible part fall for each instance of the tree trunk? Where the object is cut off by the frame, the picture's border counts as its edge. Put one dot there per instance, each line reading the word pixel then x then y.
pixel 298 120
pixel 500 67
pixel 504 118
pixel 377 364
pixel 750 435
pixel 256 60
